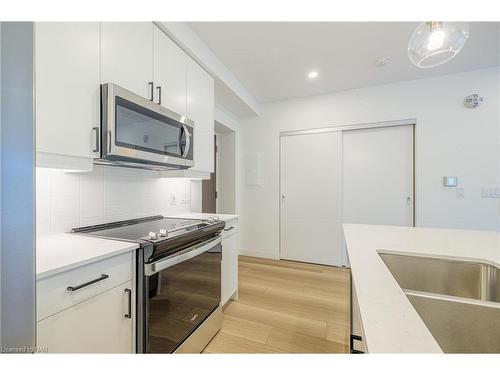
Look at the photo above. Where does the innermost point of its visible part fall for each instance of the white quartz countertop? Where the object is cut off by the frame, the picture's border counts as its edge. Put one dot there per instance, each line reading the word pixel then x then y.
pixel 390 323
pixel 199 215
pixel 61 252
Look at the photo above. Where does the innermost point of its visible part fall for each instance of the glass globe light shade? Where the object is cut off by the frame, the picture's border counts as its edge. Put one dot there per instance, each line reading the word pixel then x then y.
pixel 434 43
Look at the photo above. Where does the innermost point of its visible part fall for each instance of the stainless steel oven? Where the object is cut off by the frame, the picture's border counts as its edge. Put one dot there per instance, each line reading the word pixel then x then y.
pixel 182 302
pixel 136 132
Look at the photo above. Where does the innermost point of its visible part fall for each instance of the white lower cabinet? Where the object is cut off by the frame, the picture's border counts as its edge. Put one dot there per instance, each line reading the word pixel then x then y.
pixel 230 254
pixel 88 309
pixel 97 325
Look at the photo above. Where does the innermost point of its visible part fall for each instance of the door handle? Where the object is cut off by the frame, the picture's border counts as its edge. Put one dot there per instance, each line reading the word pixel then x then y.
pixel 151 88
pixel 188 141
pixel 159 94
pixel 109 141
pixel 129 314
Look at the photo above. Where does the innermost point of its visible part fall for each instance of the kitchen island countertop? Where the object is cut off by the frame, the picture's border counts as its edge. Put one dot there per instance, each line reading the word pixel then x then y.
pixel 390 323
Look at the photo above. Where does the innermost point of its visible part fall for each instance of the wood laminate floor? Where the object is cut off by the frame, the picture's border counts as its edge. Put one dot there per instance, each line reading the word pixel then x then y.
pixel 286 307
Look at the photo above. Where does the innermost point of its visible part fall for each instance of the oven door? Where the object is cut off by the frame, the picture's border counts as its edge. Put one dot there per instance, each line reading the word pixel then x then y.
pixel 183 292
pixel 140 131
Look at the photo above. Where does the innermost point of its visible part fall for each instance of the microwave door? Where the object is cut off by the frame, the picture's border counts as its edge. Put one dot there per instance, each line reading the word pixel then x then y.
pixel 137 130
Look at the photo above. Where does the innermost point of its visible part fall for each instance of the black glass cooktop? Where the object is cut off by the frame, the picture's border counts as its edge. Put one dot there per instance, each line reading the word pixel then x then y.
pixel 143 229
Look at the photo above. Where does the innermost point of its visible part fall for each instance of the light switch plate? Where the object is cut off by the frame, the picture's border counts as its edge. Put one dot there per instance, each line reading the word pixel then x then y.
pixel 173 201
pixel 490 192
pixel 450 181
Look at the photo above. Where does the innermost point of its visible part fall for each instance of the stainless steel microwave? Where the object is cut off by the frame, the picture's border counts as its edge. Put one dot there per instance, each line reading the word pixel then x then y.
pixel 136 132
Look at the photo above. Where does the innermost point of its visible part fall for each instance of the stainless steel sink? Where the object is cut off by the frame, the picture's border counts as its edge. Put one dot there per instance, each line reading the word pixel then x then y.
pixel 458 301
pixel 442 276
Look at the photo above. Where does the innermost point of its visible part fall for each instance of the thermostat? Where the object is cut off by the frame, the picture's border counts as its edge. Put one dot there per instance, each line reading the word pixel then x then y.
pixel 450 181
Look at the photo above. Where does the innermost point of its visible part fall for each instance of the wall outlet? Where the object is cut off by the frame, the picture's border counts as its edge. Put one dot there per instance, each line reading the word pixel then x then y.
pixel 173 201
pixel 490 192
pixel 460 193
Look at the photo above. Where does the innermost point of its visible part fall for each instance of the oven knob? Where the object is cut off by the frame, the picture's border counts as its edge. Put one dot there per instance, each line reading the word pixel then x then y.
pixel 163 233
pixel 153 235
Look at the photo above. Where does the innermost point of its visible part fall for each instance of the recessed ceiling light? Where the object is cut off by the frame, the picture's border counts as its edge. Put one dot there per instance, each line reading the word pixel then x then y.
pixel 312 74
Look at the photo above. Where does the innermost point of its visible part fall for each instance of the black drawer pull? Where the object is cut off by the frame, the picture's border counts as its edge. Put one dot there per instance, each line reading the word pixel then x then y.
pixel 228 229
pixel 129 314
pixel 73 288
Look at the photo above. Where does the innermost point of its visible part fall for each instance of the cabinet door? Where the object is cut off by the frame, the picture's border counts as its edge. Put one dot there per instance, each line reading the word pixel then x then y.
pixel 200 109
pixel 169 73
pixel 127 55
pixel 97 325
pixel 229 267
pixel 67 87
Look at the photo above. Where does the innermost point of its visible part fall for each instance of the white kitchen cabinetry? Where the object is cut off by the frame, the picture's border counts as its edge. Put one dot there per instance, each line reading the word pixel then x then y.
pixel 230 252
pixel 127 55
pixel 98 317
pixel 67 93
pixel 97 325
pixel 169 73
pixel 357 340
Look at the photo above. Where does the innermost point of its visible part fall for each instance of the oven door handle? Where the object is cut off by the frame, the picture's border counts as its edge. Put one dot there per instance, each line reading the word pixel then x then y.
pixel 151 269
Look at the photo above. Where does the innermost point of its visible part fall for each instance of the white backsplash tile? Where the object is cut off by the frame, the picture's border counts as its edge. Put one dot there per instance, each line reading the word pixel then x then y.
pixel 67 200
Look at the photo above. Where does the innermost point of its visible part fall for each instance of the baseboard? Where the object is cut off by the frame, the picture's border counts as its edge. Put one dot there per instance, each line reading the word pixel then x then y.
pixel 259 254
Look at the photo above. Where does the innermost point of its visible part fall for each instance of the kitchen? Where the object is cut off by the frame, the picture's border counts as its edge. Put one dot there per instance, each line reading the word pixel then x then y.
pixel 180 191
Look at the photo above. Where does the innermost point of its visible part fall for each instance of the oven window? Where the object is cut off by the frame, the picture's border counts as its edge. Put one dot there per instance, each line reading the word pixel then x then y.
pixel 141 129
pixel 180 298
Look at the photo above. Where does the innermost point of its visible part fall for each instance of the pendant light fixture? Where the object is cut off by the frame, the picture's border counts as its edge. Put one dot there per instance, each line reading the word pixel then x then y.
pixel 434 43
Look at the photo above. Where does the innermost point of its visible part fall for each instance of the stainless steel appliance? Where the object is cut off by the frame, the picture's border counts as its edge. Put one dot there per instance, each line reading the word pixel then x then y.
pixel 139 133
pixel 178 280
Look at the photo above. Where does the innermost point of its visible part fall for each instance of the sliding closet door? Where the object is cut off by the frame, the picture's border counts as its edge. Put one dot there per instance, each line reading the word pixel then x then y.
pixel 378 176
pixel 311 198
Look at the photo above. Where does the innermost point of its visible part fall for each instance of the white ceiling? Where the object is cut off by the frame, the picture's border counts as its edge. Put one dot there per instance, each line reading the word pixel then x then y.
pixel 271 59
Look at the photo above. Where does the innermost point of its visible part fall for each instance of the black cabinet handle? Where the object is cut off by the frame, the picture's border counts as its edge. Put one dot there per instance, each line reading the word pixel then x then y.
pixel 151 88
pixel 73 288
pixel 129 314
pixel 228 229
pixel 159 94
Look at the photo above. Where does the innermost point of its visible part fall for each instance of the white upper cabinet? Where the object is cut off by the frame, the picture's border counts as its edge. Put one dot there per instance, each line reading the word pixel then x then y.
pixel 127 55
pixel 73 59
pixel 169 73
pixel 67 93
pixel 200 109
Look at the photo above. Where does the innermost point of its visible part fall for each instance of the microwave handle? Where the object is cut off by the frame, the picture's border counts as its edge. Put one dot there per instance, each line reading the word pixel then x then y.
pixel 188 141
pixel 191 252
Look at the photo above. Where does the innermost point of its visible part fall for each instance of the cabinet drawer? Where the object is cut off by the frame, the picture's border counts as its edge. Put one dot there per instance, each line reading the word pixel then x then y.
pixel 232 226
pixel 53 296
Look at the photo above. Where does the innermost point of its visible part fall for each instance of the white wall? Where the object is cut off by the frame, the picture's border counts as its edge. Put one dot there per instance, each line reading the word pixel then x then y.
pixel 68 200
pixel 450 140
